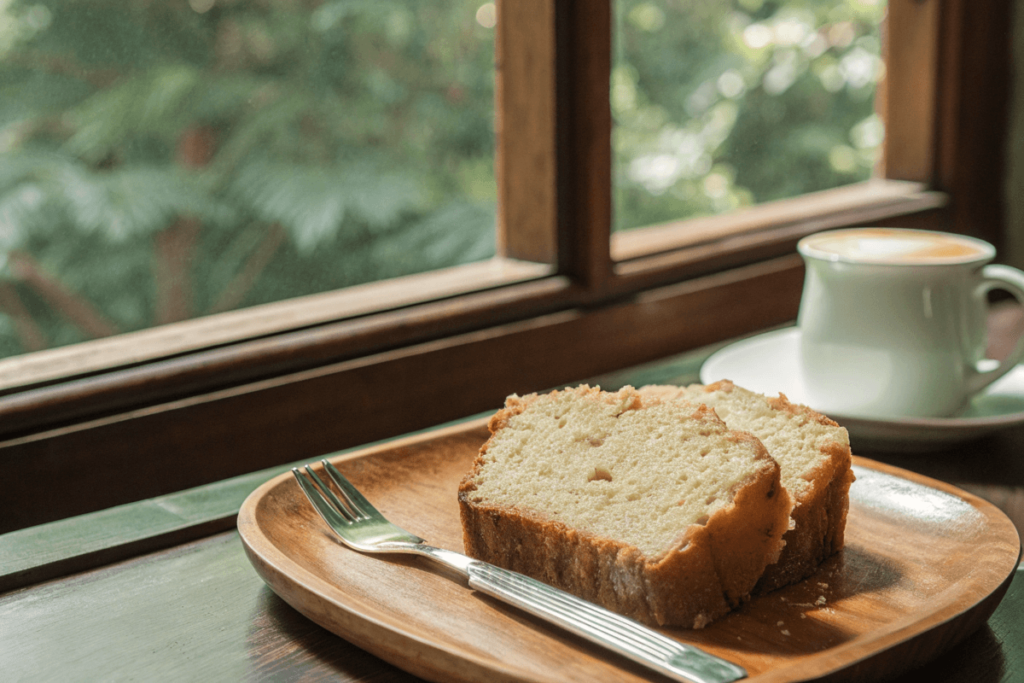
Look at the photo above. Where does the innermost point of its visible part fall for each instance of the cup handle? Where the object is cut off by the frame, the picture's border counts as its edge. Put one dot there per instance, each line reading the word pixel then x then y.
pixel 1011 280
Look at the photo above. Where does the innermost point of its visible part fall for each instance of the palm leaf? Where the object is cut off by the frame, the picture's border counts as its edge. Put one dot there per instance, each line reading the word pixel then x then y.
pixel 313 202
pixel 137 200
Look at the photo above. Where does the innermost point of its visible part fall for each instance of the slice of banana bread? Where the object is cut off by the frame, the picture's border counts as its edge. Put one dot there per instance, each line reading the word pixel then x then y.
pixel 814 454
pixel 659 512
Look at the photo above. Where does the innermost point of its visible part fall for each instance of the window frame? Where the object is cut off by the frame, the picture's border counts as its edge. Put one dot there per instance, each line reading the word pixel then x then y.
pixel 181 417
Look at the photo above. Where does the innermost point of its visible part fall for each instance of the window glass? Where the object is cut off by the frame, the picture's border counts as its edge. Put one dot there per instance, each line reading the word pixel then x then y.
pixel 165 160
pixel 721 104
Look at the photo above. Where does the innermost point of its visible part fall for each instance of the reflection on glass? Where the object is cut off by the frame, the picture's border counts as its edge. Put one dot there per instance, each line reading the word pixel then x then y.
pixel 164 160
pixel 721 104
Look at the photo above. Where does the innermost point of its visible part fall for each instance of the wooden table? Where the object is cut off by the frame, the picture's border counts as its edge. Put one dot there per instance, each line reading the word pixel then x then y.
pixel 161 589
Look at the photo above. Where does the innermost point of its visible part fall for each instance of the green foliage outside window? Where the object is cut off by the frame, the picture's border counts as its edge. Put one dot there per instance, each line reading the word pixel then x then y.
pixel 161 160
pixel 721 104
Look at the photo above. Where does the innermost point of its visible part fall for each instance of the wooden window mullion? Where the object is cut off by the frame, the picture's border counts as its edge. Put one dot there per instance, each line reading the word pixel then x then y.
pixel 525 160
pixel 553 121
pixel 907 95
pixel 584 55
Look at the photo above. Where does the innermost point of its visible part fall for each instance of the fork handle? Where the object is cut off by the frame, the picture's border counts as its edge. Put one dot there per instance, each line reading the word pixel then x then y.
pixel 627 637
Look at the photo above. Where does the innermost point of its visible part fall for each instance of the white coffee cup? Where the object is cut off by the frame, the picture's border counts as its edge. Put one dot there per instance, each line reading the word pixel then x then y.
pixel 892 321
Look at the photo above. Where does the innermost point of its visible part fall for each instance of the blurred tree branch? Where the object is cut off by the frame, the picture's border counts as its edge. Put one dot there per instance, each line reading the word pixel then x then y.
pixel 64 65
pixel 29 333
pixel 233 294
pixel 77 309
pixel 173 252
pixel 175 246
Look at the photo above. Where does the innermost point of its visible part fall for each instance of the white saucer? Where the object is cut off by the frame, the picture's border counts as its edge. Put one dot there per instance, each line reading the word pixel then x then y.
pixel 768 364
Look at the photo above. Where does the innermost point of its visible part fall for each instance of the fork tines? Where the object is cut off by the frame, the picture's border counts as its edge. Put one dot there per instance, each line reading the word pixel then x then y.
pixel 352 505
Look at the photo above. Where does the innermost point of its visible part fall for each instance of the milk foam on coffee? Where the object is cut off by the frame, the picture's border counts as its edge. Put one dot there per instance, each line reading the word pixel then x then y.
pixel 895 246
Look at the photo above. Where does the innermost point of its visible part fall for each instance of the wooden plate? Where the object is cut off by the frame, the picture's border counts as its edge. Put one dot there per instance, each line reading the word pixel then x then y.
pixel 925 564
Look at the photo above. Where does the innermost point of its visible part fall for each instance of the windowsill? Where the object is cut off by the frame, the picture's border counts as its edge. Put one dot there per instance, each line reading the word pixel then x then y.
pixel 167 341
pixel 679 244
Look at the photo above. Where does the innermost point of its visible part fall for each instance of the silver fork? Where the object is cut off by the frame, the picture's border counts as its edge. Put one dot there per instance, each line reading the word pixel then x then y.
pixel 361 527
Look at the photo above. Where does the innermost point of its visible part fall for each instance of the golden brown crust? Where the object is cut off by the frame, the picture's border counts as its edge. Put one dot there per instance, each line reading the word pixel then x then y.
pixel 819 513
pixel 819 519
pixel 781 402
pixel 711 569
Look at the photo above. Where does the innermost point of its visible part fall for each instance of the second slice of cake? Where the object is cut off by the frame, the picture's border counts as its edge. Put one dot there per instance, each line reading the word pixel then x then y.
pixel 814 454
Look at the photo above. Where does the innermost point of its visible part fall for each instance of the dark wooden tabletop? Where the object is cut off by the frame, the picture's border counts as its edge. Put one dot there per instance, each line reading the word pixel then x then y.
pixel 162 590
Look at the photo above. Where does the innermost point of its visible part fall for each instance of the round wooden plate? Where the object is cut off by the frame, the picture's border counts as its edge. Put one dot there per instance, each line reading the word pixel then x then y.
pixel 924 565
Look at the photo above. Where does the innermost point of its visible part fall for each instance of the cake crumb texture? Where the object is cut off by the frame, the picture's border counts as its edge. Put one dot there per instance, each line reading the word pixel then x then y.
pixel 652 508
